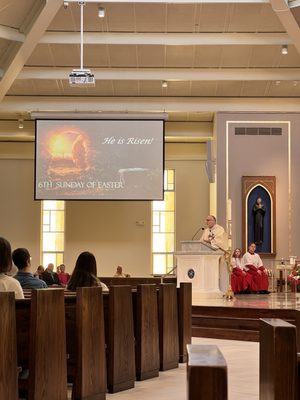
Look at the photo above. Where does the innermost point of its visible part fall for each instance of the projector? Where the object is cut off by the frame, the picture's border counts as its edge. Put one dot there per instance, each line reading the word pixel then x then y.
pixel 81 77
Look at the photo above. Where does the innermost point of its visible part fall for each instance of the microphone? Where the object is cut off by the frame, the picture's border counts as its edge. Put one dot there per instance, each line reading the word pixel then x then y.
pixel 201 228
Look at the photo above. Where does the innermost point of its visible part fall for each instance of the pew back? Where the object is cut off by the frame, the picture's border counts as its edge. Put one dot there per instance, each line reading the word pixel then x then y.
pixel 146 332
pixel 90 379
pixel 184 298
pixel 168 326
pixel 206 373
pixel 47 346
pixel 278 360
pixel 119 339
pixel 8 347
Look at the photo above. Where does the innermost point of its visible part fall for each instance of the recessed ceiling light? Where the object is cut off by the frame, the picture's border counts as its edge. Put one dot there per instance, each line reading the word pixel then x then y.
pixel 101 12
pixel 164 84
pixel 284 49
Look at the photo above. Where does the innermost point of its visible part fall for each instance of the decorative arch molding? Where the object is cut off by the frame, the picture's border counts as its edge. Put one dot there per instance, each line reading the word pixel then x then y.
pixel 264 187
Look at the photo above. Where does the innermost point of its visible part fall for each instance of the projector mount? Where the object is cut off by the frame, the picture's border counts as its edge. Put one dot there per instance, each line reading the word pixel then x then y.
pixel 81 77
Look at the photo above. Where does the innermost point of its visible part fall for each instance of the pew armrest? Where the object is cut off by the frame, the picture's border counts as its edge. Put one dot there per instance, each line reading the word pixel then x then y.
pixel 206 373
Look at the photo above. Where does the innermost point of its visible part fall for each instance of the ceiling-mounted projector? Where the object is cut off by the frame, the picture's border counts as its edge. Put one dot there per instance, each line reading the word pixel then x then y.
pixel 81 77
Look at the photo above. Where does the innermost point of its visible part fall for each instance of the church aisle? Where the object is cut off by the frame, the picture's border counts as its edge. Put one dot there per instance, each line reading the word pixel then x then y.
pixel 243 381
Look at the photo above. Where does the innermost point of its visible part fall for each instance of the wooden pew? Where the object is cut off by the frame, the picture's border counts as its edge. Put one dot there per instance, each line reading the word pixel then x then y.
pixel 206 373
pixel 168 326
pixel 134 281
pixel 146 332
pixel 90 375
pixel 8 347
pixel 278 360
pixel 184 298
pixel 119 335
pixel 47 346
pixel 41 343
pixel 85 341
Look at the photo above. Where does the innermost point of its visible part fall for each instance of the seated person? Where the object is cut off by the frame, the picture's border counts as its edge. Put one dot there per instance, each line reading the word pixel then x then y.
pixel 85 273
pixel 62 275
pixel 50 277
pixel 8 283
pixel 39 271
pixel 120 274
pixel 21 259
pixel 254 267
pixel 239 279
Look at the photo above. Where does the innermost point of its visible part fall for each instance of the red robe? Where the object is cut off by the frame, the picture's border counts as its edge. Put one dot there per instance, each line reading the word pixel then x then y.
pixel 259 278
pixel 239 281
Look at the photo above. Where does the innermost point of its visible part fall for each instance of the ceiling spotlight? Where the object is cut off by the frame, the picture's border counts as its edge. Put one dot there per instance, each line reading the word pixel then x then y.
pixel 284 49
pixel 295 83
pixel 21 123
pixel 101 12
pixel 164 84
pixel 66 4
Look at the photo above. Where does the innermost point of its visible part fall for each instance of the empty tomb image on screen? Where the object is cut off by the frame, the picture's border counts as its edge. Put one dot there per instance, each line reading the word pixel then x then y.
pixel 99 159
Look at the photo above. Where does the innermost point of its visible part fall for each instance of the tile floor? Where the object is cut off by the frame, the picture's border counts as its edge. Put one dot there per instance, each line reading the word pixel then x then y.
pixel 243 367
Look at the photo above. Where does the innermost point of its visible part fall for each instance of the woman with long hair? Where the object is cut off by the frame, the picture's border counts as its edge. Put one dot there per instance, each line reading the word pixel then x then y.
pixel 85 273
pixel 239 279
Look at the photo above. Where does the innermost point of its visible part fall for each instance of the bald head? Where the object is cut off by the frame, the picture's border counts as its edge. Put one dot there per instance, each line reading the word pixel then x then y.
pixel 50 267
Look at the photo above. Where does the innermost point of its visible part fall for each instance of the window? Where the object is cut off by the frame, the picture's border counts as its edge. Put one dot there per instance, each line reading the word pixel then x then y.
pixel 163 227
pixel 53 229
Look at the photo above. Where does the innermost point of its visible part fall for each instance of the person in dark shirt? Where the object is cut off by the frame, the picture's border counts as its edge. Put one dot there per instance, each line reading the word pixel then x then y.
pixel 50 277
pixel 22 261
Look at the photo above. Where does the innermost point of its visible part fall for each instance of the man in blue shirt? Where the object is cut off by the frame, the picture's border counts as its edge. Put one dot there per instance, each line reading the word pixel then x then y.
pixel 21 259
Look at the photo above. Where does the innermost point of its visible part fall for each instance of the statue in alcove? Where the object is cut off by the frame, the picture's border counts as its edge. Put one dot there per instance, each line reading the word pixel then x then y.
pixel 259 212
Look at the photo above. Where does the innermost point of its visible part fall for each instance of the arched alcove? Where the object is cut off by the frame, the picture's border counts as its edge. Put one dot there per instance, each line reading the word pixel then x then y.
pixel 259 221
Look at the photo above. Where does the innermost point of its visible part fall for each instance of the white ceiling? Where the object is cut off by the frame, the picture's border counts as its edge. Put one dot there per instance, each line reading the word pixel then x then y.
pixel 215 56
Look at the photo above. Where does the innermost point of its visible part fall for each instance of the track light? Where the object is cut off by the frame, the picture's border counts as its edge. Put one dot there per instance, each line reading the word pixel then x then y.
pixel 21 123
pixel 101 12
pixel 284 49
pixel 66 4
pixel 164 84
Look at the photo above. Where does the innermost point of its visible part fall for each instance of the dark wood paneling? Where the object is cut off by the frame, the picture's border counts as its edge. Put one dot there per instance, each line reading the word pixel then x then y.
pixel 47 348
pixel 120 339
pixel 168 326
pixel 8 347
pixel 235 323
pixel 278 360
pixel 146 332
pixel 111 281
pixel 206 373
pixel 184 296
pixel 90 378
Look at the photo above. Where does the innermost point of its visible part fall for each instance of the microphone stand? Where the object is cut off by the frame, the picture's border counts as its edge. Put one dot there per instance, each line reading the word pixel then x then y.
pixel 229 295
pixel 201 228
pixel 168 273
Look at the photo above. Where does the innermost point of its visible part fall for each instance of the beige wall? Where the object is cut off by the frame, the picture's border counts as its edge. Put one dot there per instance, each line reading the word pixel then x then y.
pixel 192 188
pixel 19 213
pixel 264 155
pixel 111 229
